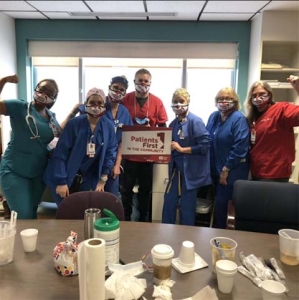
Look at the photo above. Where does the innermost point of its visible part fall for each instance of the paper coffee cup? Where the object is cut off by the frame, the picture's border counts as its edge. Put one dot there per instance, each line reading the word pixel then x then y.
pixel 162 255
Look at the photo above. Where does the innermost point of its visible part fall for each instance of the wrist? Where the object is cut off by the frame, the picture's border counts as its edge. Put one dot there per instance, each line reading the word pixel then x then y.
pixel 225 169
pixel 104 179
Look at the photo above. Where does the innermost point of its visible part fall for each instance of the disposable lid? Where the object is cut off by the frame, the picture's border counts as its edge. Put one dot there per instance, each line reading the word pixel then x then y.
pixel 107 224
pixel 162 251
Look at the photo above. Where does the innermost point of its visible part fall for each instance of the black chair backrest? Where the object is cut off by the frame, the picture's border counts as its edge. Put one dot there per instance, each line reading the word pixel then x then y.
pixel 74 206
pixel 264 206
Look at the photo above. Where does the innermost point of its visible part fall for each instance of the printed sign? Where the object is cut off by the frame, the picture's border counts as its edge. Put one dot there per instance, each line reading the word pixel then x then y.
pixel 140 143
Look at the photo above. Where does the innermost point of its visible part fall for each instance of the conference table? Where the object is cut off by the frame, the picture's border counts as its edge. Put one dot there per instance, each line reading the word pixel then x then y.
pixel 32 275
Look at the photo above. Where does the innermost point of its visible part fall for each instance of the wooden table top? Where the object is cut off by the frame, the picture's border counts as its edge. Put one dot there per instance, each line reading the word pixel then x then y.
pixel 32 275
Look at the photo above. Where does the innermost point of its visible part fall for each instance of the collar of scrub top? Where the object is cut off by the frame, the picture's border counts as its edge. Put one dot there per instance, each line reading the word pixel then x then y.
pixel 34 132
pixel 184 120
pixel 148 104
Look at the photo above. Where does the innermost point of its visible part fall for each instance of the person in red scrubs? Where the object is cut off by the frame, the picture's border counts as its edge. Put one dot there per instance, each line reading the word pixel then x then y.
pixel 272 136
pixel 146 110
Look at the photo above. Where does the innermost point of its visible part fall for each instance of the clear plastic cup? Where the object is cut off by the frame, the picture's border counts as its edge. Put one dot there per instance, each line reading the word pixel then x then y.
pixel 227 251
pixel 289 246
pixel 7 242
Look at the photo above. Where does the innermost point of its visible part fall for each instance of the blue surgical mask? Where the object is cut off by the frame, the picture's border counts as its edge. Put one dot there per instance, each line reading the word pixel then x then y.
pixel 141 121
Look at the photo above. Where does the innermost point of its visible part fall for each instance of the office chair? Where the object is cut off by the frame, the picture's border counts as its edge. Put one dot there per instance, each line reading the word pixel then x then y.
pixel 263 206
pixel 74 206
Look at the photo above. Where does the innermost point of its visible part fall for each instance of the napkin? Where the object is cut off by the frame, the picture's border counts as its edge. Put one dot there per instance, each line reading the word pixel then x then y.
pixel 163 290
pixel 204 294
pixel 124 286
pixel 135 268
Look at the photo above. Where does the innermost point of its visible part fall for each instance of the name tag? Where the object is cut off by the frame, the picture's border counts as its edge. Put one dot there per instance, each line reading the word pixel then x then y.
pixel 91 149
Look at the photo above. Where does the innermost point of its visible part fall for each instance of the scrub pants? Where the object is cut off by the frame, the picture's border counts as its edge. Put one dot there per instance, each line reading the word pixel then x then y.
pixel 112 186
pixel 143 172
pixel 224 193
pixel 22 194
pixel 188 199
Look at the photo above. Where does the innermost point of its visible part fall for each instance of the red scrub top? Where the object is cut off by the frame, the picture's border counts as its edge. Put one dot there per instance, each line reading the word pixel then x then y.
pixel 274 149
pixel 153 109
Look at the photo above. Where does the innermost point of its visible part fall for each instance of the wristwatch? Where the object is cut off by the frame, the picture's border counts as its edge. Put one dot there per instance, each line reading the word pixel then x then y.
pixel 225 169
pixel 104 178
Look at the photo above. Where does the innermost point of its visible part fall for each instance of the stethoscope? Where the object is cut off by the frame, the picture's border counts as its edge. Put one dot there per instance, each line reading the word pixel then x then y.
pixel 32 119
pixel 34 132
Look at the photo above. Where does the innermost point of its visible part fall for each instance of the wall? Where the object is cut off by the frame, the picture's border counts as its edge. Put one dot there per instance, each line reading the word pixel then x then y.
pixel 8 66
pixel 131 31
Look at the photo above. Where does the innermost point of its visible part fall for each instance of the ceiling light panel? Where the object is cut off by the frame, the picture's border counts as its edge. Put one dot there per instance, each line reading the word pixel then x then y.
pixel 64 15
pixel 116 6
pixel 283 5
pixel 25 15
pixel 64 6
pixel 224 17
pixel 15 5
pixel 187 10
pixel 234 6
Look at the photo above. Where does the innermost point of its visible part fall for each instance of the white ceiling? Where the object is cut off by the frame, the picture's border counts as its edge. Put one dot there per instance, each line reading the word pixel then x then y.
pixel 186 10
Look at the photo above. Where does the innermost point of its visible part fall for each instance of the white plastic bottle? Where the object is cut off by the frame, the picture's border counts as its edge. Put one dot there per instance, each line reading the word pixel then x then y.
pixel 108 230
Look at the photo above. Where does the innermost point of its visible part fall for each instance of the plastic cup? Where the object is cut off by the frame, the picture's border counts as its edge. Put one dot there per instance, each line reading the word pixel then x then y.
pixel 187 254
pixel 289 246
pixel 7 242
pixel 162 255
pixel 272 290
pixel 226 271
pixel 29 239
pixel 227 251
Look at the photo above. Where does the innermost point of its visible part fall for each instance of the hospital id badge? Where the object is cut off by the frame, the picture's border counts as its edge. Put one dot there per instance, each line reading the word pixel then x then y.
pixel 91 149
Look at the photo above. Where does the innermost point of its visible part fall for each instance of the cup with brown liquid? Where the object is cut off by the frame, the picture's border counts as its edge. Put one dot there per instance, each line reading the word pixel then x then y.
pixel 162 255
pixel 289 246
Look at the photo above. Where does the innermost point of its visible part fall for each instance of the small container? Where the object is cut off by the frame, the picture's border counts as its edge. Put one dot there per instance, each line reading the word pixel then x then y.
pixel 108 230
pixel 90 216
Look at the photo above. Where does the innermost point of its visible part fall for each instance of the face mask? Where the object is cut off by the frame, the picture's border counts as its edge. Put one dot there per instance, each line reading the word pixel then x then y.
pixel 180 109
pixel 225 106
pixel 42 98
pixel 142 89
pixel 141 121
pixel 260 102
pixel 95 111
pixel 116 96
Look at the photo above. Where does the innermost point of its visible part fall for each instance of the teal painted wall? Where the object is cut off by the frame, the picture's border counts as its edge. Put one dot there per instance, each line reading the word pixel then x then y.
pixel 132 31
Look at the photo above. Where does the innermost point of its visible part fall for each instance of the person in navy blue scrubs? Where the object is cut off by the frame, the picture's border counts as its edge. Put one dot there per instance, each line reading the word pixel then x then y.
pixel 189 168
pixel 229 131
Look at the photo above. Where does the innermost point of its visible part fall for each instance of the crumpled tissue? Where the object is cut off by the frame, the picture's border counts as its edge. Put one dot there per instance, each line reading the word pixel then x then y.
pixel 204 294
pixel 135 268
pixel 163 290
pixel 124 286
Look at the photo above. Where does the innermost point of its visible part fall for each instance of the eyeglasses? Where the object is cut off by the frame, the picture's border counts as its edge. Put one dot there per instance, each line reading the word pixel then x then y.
pixel 95 104
pixel 226 99
pixel 256 95
pixel 117 89
pixel 43 90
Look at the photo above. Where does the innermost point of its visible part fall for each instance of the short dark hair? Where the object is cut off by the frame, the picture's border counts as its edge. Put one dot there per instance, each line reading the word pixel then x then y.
pixel 143 71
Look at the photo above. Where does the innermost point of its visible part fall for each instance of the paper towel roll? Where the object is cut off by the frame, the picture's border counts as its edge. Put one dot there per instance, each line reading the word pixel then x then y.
pixel 91 265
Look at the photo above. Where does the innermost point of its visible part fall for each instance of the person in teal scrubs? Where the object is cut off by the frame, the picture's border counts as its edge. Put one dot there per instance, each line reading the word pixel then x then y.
pixel 35 131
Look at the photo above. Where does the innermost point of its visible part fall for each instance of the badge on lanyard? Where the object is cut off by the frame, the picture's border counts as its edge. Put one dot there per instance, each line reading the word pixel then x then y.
pixel 91 148
pixel 181 134
pixel 253 134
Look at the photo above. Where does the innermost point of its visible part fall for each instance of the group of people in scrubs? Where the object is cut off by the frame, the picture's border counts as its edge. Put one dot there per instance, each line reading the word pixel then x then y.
pixel 88 154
